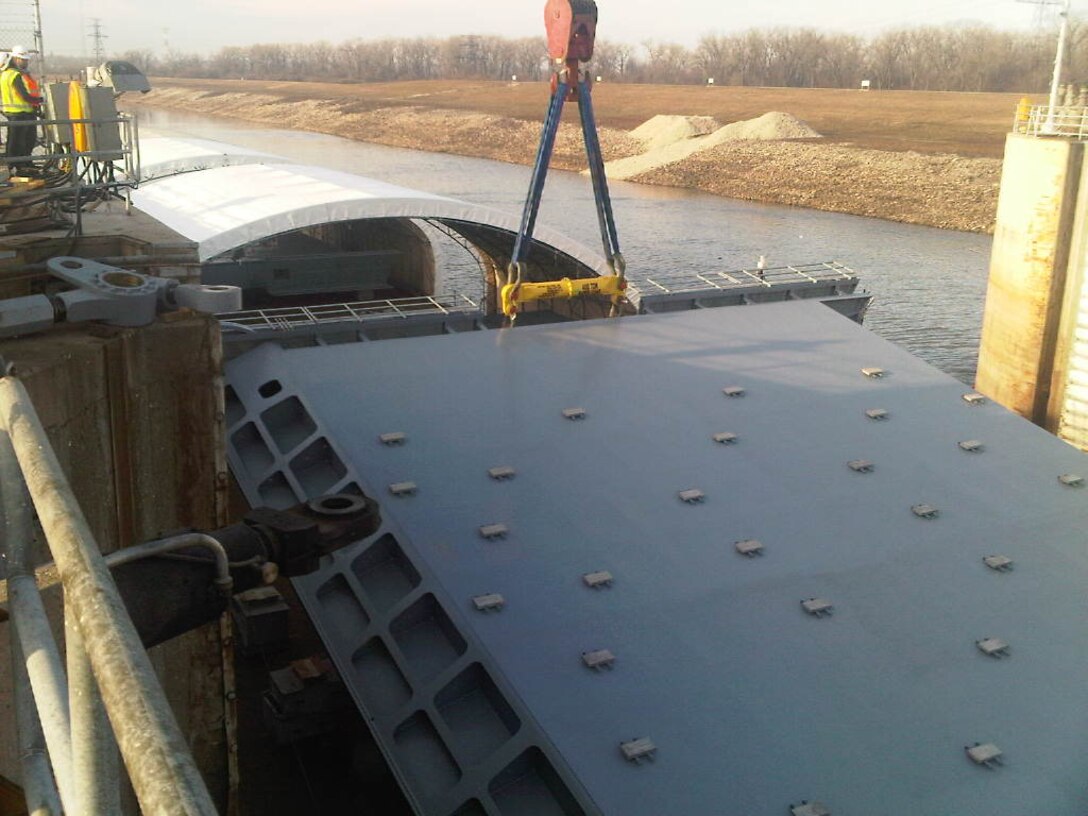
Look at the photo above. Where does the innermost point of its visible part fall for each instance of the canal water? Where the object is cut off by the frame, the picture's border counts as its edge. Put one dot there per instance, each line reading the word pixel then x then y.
pixel 928 284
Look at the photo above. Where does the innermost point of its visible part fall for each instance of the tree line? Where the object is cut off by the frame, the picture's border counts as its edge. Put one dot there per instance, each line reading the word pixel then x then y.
pixel 919 58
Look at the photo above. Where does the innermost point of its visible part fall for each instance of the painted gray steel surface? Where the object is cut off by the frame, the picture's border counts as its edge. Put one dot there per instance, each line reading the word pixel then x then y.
pixel 752 704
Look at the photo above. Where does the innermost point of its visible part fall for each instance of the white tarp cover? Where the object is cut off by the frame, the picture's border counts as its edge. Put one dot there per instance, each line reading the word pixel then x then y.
pixel 169 155
pixel 228 207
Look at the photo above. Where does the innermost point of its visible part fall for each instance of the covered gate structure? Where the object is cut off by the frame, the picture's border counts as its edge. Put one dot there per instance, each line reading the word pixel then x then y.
pixel 282 230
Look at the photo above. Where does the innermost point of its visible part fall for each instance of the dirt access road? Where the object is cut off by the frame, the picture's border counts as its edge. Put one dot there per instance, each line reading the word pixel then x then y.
pixel 918 157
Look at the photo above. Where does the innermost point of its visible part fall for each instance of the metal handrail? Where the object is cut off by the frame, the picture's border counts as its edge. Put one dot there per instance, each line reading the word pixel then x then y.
pixel 1061 120
pixel 707 281
pixel 290 317
pixel 769 278
pixel 157 757
pixel 128 148
pixel 47 733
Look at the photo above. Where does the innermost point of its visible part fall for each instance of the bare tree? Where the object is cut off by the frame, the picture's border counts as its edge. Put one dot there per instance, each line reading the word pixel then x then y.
pixel 887 58
pixel 919 58
pixel 843 62
pixel 752 59
pixel 228 62
pixel 612 59
pixel 793 57
pixel 666 62
pixel 419 58
pixel 143 59
pixel 529 58
pixel 715 57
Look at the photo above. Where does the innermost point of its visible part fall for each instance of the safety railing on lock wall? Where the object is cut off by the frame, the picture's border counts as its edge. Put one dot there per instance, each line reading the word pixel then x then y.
pixel 776 277
pixel 1070 121
pixel 74 711
pixel 122 149
pixel 289 318
pixel 76 162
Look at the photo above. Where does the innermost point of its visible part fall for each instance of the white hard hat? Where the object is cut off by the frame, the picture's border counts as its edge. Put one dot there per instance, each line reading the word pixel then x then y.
pixel 19 52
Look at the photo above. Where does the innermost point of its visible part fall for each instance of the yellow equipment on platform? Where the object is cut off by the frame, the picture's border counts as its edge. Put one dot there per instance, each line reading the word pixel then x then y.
pixel 1023 115
pixel 514 294
pixel 81 142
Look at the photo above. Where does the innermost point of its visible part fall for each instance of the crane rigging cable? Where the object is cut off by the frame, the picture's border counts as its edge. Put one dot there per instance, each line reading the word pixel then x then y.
pixel 571 27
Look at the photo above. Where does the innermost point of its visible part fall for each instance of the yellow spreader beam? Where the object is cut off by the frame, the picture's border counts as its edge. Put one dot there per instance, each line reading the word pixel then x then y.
pixel 514 294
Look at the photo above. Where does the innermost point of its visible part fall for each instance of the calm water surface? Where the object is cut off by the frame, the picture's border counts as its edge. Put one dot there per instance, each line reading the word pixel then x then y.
pixel 928 284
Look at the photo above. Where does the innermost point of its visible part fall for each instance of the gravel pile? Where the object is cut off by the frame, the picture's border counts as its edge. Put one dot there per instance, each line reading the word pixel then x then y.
pixel 670 139
pixel 664 130
pixel 773 125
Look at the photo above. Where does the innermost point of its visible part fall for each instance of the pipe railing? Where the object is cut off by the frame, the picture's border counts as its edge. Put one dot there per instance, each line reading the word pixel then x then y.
pixel 291 317
pixel 767 278
pixel 127 152
pixel 39 787
pixel 109 672
pixel 1062 120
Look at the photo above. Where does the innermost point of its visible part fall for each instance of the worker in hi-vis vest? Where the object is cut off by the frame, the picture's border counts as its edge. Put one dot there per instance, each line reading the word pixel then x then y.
pixel 21 102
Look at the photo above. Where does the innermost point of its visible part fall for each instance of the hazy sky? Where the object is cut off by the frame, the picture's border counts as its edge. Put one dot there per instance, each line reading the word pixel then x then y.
pixel 206 25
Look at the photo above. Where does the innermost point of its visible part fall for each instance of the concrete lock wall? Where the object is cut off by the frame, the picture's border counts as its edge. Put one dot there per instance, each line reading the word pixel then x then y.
pixel 1067 411
pixel 135 417
pixel 1036 221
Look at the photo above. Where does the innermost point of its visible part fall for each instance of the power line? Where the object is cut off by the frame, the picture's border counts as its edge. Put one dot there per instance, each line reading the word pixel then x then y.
pixel 1041 9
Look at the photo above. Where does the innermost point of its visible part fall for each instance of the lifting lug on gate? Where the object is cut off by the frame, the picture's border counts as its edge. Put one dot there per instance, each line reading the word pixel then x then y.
pixel 572 28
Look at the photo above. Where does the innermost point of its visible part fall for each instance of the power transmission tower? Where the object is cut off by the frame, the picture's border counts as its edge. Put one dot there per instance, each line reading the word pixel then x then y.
pixel 99 39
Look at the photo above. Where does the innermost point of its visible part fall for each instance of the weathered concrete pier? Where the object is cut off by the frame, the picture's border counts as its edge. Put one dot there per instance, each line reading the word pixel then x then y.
pixel 1034 352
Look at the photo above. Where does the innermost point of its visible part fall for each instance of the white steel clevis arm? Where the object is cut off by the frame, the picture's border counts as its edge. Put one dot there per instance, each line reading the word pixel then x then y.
pixel 114 296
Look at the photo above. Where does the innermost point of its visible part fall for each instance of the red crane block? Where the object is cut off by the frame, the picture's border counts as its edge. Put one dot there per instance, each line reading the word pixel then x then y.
pixel 571 27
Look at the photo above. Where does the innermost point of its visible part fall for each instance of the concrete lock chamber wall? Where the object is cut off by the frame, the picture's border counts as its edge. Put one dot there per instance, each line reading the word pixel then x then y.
pixel 1067 411
pixel 1033 358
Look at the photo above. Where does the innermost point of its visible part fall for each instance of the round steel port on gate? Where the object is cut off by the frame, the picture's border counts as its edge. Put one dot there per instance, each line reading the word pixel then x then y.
pixel 337 504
